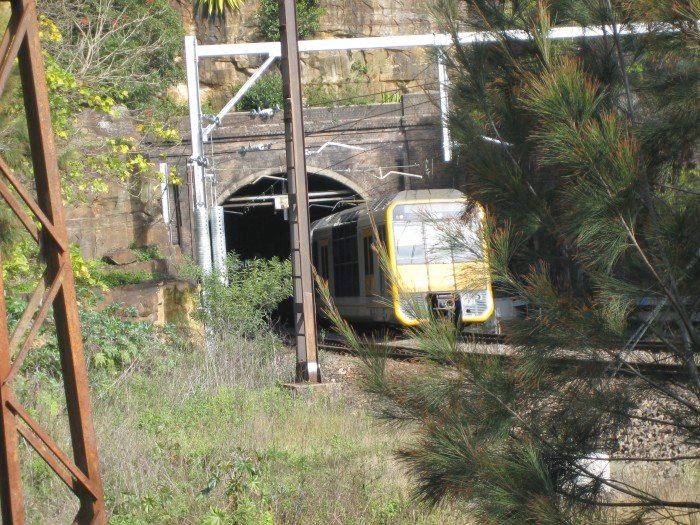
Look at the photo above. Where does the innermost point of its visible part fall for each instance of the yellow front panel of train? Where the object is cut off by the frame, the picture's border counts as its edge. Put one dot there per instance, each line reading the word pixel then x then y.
pixel 442 277
pixel 438 256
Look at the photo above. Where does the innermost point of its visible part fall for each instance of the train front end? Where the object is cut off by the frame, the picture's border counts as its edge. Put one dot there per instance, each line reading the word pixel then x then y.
pixel 439 261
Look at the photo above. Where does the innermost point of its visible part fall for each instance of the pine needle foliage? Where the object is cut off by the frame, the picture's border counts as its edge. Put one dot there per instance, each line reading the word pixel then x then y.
pixel 584 153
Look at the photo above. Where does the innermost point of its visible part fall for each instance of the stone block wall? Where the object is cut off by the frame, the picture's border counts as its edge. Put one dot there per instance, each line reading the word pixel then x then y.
pixel 118 219
pixel 129 213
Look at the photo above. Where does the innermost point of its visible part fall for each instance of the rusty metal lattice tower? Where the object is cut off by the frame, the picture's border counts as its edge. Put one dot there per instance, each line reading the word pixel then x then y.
pixel 43 217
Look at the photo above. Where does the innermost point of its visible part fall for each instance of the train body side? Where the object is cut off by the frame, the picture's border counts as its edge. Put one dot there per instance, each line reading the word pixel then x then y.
pixel 422 281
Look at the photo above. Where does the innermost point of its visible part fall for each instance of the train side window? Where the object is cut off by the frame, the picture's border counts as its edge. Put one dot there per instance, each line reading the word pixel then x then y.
pixel 324 260
pixel 368 260
pixel 368 252
pixel 345 260
pixel 382 276
pixel 319 251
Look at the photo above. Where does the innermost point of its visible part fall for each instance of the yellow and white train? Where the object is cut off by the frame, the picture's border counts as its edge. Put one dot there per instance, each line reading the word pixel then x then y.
pixel 429 270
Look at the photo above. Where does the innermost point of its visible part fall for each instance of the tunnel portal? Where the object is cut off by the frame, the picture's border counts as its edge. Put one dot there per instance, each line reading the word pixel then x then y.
pixel 256 223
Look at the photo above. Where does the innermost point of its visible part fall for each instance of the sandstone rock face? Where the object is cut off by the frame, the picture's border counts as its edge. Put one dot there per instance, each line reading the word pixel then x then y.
pixel 381 70
pixel 157 302
pixel 129 213
pixel 352 18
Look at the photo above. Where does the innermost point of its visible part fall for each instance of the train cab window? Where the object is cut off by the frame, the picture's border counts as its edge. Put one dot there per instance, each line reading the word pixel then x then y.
pixel 410 243
pixel 436 233
pixel 346 279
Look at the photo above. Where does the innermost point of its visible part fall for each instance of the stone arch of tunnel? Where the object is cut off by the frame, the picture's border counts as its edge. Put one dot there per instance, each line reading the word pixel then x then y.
pixel 256 228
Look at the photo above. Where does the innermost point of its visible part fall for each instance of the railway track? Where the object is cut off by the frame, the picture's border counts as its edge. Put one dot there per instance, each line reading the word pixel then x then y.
pixel 648 357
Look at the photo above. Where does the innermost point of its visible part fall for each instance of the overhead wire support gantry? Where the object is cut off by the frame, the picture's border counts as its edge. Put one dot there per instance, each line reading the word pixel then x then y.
pixel 207 229
pixel 203 126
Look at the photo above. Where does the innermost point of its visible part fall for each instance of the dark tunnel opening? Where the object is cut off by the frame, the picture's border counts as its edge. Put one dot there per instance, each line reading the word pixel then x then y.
pixel 257 228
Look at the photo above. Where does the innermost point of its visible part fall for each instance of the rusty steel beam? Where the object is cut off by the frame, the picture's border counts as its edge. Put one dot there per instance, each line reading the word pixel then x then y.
pixel 307 368
pixel 56 288
pixel 10 479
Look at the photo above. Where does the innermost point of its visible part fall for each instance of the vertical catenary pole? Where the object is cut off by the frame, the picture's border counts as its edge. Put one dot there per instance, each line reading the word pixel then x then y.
pixel 304 309
pixel 444 84
pixel 218 243
pixel 200 211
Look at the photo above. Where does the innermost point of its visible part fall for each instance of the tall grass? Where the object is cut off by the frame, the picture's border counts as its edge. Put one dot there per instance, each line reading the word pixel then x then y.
pixel 210 436
pixel 203 434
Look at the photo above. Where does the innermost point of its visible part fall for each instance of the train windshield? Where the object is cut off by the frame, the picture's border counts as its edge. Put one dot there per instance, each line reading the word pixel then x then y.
pixel 437 233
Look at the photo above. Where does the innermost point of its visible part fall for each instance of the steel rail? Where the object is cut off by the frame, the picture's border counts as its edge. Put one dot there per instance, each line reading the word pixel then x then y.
pixel 403 349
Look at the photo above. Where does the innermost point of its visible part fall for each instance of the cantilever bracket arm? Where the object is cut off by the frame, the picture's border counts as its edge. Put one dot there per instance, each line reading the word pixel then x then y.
pixel 242 91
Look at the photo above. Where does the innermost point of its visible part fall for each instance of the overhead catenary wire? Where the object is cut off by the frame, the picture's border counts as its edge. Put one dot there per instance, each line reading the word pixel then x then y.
pixel 186 142
pixel 363 144
pixel 353 121
pixel 350 123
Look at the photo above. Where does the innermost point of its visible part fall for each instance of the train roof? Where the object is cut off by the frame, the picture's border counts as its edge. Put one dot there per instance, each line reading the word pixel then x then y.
pixel 373 206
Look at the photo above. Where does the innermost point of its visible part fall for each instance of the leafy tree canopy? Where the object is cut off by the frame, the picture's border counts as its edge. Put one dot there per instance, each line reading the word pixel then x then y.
pixel 127 48
pixel 217 7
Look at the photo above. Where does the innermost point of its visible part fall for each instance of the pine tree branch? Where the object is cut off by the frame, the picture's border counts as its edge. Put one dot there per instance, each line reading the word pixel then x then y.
pixel 670 290
pixel 621 62
pixel 619 486
pixel 657 386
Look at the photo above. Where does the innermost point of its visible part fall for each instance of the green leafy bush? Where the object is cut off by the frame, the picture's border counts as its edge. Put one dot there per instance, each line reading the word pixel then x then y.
pixel 123 277
pixel 265 93
pixel 20 268
pixel 113 341
pixel 351 91
pixel 148 253
pixel 255 288
pixel 309 14
pixel 10 231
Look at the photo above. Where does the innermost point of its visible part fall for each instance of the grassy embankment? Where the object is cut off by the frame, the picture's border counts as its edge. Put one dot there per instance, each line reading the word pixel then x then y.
pixel 194 436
